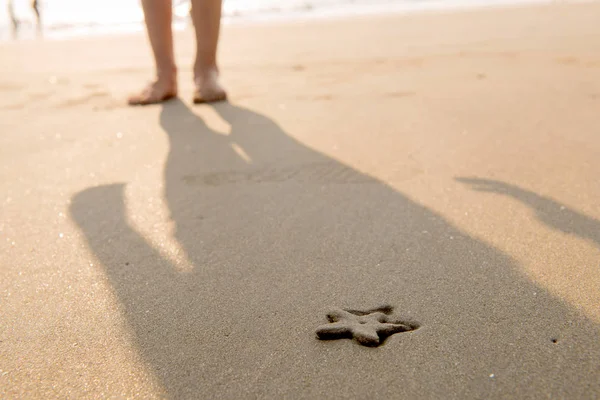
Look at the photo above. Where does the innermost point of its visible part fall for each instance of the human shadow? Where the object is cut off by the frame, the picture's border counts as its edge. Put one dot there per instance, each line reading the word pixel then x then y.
pixel 278 232
pixel 550 212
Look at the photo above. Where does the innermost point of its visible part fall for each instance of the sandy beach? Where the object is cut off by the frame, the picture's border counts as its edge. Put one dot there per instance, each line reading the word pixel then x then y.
pixel 444 163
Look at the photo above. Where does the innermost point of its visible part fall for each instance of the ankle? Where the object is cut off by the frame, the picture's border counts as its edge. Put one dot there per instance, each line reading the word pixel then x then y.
pixel 167 75
pixel 205 71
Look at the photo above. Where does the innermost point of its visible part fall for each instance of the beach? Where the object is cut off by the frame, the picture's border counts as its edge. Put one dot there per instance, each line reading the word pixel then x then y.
pixel 444 163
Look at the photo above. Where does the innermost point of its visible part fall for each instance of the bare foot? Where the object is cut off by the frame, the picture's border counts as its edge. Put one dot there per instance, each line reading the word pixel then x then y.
pixel 155 92
pixel 208 88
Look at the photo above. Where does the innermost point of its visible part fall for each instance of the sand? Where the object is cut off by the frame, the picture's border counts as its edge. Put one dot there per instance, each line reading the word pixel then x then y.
pixel 445 164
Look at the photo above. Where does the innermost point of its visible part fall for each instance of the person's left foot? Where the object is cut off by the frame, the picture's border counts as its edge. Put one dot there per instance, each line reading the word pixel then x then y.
pixel 208 89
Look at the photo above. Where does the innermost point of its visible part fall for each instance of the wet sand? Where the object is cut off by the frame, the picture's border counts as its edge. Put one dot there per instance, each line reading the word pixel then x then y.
pixel 443 163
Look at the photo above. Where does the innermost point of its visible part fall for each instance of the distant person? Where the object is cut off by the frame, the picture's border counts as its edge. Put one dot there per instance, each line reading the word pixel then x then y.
pixel 35 5
pixel 206 16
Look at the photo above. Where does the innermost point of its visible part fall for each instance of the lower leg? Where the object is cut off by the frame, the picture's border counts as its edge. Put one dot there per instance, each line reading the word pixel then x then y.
pixel 13 18
pixel 158 17
pixel 206 15
pixel 35 5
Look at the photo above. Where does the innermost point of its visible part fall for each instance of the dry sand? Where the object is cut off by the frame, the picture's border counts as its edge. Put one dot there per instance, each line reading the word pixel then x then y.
pixel 447 164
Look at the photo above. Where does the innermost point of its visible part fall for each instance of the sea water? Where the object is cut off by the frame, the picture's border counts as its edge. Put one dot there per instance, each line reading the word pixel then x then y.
pixel 71 18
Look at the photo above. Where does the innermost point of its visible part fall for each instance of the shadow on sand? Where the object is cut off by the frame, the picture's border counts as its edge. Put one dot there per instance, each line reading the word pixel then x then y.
pixel 550 212
pixel 277 233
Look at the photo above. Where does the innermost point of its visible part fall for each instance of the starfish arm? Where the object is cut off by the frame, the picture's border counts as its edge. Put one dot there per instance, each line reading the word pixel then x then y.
pixel 412 324
pixel 366 335
pixel 389 329
pixel 337 314
pixel 386 309
pixel 336 330
pixel 377 317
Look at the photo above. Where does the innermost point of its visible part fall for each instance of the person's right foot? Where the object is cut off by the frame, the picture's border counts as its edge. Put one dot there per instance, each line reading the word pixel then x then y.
pixel 155 92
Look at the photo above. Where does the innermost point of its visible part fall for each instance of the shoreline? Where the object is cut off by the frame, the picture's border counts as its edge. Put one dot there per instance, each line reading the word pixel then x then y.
pixel 331 13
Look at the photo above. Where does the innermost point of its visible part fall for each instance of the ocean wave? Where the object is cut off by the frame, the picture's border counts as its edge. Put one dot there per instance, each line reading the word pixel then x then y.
pixel 64 18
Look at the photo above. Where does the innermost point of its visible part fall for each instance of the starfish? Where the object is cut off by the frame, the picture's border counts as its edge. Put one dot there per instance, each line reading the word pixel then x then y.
pixel 369 328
